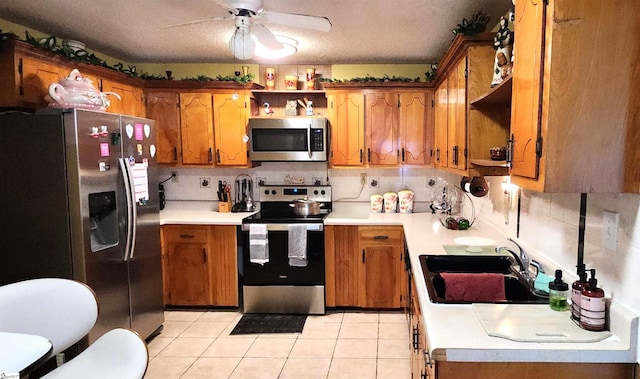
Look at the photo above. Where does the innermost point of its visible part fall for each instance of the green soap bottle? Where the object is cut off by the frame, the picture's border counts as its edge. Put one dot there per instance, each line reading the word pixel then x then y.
pixel 558 292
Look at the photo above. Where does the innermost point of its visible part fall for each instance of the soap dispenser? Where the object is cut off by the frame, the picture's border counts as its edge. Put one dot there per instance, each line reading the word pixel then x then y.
pixel 558 293
pixel 592 305
pixel 576 292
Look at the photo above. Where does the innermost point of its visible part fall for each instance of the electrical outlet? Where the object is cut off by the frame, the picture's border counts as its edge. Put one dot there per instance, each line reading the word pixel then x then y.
pixel 374 182
pixel 260 181
pixel 205 182
pixel 174 177
pixel 363 178
pixel 610 230
pixel 316 181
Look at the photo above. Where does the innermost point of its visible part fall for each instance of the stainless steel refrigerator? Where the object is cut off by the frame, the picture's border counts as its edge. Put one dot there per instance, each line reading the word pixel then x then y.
pixel 79 200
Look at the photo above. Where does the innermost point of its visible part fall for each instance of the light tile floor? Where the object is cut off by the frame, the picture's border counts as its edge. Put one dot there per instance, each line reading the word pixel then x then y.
pixel 198 344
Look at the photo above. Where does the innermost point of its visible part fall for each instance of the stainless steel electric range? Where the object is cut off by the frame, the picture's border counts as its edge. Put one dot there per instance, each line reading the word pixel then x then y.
pixel 279 284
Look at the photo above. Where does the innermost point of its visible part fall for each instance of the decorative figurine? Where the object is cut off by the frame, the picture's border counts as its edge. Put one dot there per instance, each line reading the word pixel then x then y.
pixel 502 42
pixel 267 109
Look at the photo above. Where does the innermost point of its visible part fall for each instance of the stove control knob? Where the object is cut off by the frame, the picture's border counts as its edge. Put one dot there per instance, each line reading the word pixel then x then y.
pixel 266 192
pixel 315 192
pixel 273 192
pixel 323 192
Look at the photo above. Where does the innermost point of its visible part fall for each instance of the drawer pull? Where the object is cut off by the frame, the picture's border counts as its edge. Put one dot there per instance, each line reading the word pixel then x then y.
pixel 187 236
pixel 381 237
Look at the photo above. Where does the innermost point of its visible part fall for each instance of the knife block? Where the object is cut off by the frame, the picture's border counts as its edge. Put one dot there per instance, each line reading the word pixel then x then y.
pixel 224 206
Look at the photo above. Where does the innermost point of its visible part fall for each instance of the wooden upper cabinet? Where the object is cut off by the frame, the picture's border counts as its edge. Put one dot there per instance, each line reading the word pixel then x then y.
pixel 36 77
pixel 346 117
pixel 465 132
pixel 586 118
pixel 416 127
pixel 441 124
pixel 381 127
pixel 527 83
pixel 196 128
pixel 164 107
pixel 131 100
pixel 457 116
pixel 230 126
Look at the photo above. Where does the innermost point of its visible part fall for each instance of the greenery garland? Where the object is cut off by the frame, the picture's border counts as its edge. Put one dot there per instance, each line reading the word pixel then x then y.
pixel 81 55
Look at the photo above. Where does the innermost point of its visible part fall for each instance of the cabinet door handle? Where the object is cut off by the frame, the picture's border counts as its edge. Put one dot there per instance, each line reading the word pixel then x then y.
pixel 187 236
pixel 369 155
pixel 416 339
pixel 210 155
pixel 362 255
pixel 380 237
pixel 403 154
pixel 175 153
pixel 204 254
pixel 438 155
pixel 218 155
pixel 360 155
pixel 427 359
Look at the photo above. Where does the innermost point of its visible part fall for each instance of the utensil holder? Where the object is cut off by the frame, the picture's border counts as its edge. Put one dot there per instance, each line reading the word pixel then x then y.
pixel 224 206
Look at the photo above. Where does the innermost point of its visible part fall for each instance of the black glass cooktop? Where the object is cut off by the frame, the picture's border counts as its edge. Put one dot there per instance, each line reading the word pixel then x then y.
pixel 284 213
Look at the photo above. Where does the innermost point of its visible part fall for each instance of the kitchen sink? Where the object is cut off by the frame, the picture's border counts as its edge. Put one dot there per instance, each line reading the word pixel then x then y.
pixel 517 290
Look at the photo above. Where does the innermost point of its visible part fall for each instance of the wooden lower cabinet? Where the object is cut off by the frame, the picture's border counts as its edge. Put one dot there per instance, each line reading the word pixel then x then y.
pixel 199 265
pixel 223 265
pixel 381 272
pixel 365 266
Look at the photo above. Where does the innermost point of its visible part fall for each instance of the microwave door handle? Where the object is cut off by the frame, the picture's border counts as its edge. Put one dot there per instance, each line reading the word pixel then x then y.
pixel 124 169
pixel 309 140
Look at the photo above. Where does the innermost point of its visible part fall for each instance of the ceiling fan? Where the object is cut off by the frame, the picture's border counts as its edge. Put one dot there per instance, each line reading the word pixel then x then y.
pixel 250 18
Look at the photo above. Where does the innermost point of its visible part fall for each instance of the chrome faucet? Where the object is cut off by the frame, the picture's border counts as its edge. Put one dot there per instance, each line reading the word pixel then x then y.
pixel 522 259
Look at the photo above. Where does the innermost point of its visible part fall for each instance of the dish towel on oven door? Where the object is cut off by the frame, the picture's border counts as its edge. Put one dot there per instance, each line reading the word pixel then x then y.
pixel 258 244
pixel 298 245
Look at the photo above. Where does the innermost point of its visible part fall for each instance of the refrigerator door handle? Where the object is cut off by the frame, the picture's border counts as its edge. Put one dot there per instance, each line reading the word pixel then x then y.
pixel 126 177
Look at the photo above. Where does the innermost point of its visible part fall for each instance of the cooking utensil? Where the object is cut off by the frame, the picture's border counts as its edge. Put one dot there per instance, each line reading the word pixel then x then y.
pixel 306 207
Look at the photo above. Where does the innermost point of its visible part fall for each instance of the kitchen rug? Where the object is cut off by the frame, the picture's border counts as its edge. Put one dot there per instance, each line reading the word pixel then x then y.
pixel 257 323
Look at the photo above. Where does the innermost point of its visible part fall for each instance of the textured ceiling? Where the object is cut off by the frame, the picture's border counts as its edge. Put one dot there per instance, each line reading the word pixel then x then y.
pixel 363 31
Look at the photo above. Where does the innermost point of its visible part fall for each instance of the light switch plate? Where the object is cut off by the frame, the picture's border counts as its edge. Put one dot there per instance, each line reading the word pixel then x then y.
pixel 610 230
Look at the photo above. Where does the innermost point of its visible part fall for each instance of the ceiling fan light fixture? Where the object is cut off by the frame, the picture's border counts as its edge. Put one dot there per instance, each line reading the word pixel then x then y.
pixel 241 43
pixel 289 47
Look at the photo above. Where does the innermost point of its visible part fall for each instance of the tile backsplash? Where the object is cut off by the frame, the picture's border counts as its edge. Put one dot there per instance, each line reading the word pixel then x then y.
pixel 548 223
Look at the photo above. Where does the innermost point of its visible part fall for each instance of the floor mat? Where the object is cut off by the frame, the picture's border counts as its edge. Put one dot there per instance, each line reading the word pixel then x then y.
pixel 269 323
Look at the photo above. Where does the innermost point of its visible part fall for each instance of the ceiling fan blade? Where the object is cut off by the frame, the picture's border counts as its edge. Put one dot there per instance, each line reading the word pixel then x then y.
pixel 265 37
pixel 196 22
pixel 297 20
pixel 224 4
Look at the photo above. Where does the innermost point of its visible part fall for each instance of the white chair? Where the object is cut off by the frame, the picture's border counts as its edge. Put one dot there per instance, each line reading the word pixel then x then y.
pixel 119 353
pixel 64 311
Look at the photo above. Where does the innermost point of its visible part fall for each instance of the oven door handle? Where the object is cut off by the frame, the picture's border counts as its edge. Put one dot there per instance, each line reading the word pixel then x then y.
pixel 316 227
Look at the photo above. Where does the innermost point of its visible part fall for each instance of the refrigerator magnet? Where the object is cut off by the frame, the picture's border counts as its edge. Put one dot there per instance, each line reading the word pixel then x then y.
pixel 129 130
pixel 139 149
pixel 139 133
pixel 147 130
pixel 145 162
pixel 104 149
pixel 152 150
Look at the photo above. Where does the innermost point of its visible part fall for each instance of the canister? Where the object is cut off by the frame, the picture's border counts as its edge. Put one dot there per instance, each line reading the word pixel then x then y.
pixel 405 201
pixel 390 202
pixel 376 203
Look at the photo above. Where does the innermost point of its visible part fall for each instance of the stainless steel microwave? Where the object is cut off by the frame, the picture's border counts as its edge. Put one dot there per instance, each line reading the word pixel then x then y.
pixel 300 139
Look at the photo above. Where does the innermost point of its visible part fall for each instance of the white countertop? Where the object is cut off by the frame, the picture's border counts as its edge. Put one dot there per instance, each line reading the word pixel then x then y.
pixel 198 213
pixel 454 332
